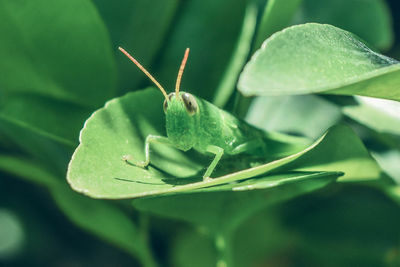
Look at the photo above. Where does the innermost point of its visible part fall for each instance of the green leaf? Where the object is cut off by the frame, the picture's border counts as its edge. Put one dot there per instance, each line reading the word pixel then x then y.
pixel 389 162
pixel 44 147
pixel 120 128
pixel 46 49
pixel 304 115
pixel 224 207
pixel 315 58
pixel 369 19
pixel 238 58
pixel 394 193
pixel 340 150
pixel 97 168
pixel 58 120
pixel 380 115
pixel 27 169
pixel 52 74
pixel 44 127
pixel 140 27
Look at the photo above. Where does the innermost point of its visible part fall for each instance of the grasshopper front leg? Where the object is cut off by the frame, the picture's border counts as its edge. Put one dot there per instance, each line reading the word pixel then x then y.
pixel 149 139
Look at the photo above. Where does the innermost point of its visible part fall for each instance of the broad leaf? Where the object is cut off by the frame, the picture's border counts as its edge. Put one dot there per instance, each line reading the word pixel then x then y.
pixel 52 79
pixel 120 128
pixel 380 115
pixel 316 58
pixel 44 147
pixel 28 170
pixel 55 55
pixel 307 115
pixel 389 162
pixel 394 192
pixel 223 208
pixel 340 150
pixel 45 128
pixel 57 120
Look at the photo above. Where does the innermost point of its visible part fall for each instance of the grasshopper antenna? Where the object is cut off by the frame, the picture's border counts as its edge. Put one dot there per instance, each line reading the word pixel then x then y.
pixel 179 78
pixel 145 72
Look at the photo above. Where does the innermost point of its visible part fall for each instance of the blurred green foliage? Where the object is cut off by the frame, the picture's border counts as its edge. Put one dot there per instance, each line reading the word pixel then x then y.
pixel 60 63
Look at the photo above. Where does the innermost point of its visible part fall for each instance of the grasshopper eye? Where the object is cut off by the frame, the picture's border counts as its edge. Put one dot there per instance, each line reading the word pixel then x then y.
pixel 165 105
pixel 190 103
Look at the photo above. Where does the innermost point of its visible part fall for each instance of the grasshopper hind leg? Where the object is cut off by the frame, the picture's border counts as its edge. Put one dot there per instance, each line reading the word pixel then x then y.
pixel 250 147
pixel 218 152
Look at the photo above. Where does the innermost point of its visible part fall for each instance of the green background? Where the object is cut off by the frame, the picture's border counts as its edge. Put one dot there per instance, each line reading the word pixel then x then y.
pixel 335 203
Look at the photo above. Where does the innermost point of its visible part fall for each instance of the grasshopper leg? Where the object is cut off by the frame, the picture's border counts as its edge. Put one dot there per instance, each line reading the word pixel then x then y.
pixel 218 151
pixel 248 146
pixel 149 139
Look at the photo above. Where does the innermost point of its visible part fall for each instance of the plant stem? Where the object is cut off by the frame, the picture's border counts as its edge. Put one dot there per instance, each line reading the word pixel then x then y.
pixel 239 57
pixel 223 246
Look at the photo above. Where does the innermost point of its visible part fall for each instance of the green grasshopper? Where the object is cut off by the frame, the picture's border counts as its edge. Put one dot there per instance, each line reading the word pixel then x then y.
pixel 192 122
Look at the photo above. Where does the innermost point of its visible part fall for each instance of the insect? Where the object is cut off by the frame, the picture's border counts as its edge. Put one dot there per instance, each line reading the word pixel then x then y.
pixel 192 122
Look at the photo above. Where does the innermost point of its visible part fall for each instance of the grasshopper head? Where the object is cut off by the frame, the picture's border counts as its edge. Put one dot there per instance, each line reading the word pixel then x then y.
pixel 182 116
pixel 180 108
